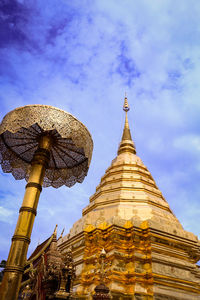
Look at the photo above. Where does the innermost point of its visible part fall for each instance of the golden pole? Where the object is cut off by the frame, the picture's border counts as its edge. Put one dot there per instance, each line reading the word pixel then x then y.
pixel 10 286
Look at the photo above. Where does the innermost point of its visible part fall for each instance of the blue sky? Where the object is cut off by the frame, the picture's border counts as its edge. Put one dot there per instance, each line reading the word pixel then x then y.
pixel 81 56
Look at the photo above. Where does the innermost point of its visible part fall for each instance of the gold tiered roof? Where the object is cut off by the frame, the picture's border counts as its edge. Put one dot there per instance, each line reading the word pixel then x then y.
pixel 148 253
pixel 127 192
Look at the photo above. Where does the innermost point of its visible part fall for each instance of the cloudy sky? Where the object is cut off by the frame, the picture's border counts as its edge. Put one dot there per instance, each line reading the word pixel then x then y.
pixel 81 56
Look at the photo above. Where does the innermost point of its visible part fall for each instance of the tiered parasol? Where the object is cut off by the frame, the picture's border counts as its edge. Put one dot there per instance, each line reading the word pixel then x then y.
pixel 48 147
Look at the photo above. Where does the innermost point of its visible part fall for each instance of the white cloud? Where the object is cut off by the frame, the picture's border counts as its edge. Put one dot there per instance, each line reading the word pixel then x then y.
pixel 83 62
pixel 189 143
pixel 6 215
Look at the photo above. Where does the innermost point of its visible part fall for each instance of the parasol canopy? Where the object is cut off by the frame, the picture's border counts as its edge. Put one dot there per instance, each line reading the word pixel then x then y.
pixel 71 150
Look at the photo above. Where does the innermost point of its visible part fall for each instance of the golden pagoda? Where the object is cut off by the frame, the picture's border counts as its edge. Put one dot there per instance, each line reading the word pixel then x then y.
pixel 148 253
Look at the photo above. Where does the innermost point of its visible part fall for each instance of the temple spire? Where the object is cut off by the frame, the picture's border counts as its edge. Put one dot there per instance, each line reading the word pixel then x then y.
pixel 126 144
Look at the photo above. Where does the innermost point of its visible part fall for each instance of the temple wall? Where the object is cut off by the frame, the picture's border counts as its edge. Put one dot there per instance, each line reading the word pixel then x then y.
pixel 141 263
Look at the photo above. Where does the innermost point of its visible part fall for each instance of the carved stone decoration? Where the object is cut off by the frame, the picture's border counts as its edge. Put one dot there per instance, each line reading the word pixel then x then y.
pixel 62 293
pixel 50 279
pixel 51 264
pixel 67 276
pixel 102 266
pixel 102 291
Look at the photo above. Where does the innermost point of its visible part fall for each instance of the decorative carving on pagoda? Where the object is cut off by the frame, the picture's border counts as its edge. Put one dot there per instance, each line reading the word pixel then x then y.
pixel 127 265
pixel 102 291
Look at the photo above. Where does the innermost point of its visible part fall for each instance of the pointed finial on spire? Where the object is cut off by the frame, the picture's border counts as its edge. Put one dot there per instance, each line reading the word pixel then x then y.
pixel 126 107
pixel 55 230
pixel 61 235
pixel 126 144
pixel 54 236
